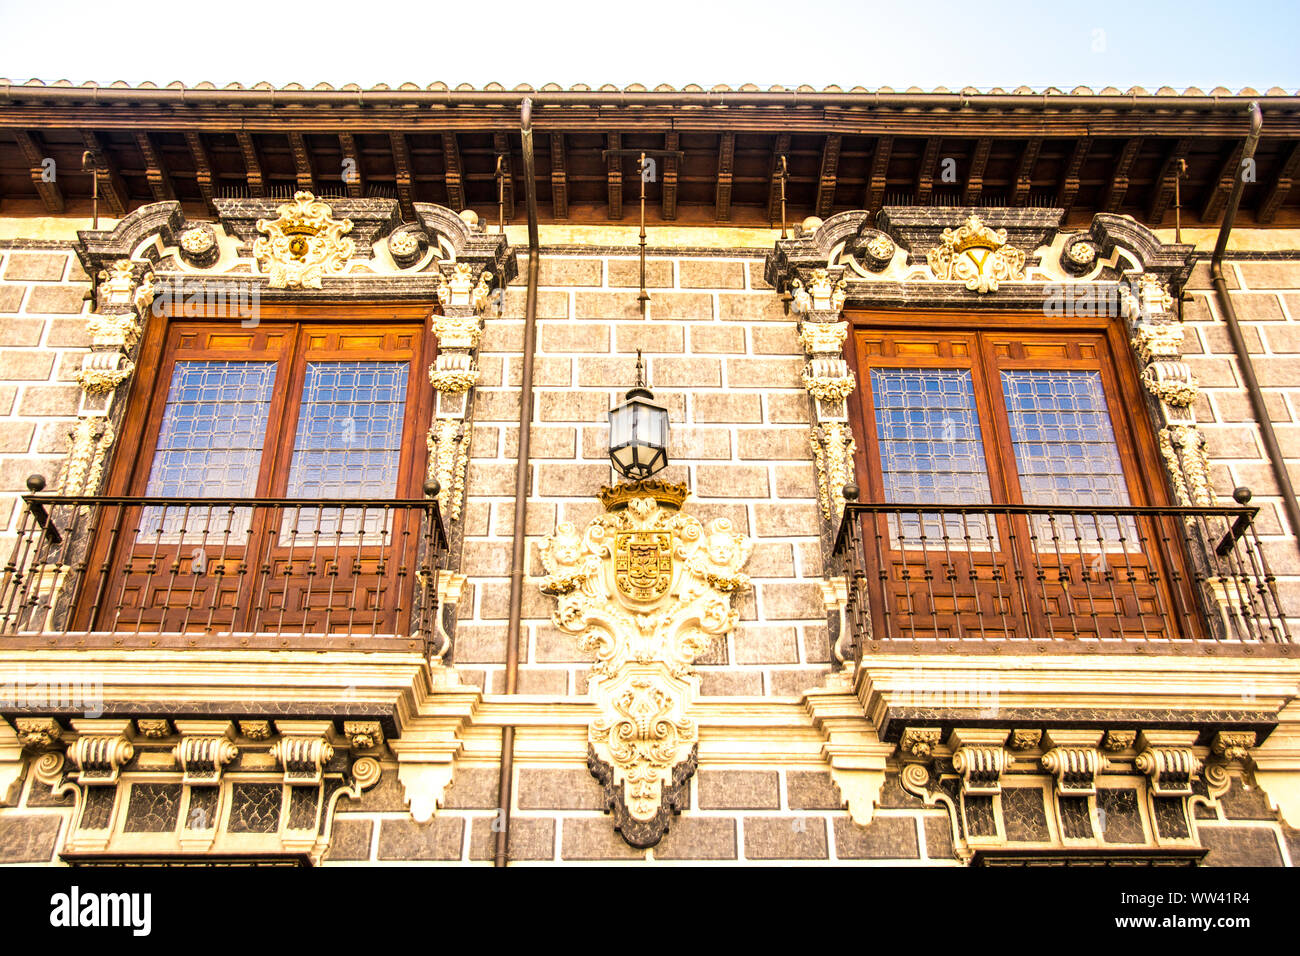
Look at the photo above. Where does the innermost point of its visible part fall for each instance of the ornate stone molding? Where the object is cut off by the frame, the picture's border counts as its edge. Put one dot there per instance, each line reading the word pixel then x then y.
pixel 980 757
pixel 101 748
pixel 976 255
pixel 1074 759
pixel 205 748
pixel 1168 761
pixel 303 244
pixel 833 448
pixel 303 749
pixel 646 588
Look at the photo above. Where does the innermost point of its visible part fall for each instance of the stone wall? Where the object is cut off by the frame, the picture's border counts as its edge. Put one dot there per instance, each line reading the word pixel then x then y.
pixel 722 356
pixel 1266 295
pixel 42 339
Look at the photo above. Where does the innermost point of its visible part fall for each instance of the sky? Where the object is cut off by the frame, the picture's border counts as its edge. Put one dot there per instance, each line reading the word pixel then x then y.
pixel 925 43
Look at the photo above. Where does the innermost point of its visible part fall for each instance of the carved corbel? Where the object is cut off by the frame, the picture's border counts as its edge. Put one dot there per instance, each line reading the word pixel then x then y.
pixel 206 747
pixel 858 759
pixel 1233 745
pixel 303 750
pixel 364 734
pixel 980 757
pixel 833 448
pixel 38 734
pixel 646 588
pixel 1073 758
pixel 919 743
pixel 448 441
pixel 1168 761
pixel 100 750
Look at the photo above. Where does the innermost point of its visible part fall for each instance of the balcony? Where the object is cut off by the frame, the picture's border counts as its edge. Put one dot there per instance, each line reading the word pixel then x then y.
pixel 978 578
pixel 208 572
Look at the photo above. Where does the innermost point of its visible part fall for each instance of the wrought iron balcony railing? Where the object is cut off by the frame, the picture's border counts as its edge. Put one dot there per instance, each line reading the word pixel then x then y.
pixel 224 567
pixel 1006 573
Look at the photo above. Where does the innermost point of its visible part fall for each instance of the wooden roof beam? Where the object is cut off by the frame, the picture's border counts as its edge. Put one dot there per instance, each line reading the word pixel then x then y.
pixel 252 165
pixel 501 143
pixel 668 176
pixel 1070 180
pixel 925 173
pixel 1025 171
pixel 44 178
pixel 402 174
pixel 160 183
pixel 726 168
pixel 978 163
pixel 780 147
pixel 1119 182
pixel 352 171
pixel 1162 194
pixel 879 179
pixel 111 188
pixel 829 173
pixel 304 177
pixel 559 178
pixel 1281 187
pixel 454 175
pixel 202 169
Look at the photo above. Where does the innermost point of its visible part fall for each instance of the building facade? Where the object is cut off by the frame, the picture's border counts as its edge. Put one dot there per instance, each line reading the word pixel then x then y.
pixel 975 544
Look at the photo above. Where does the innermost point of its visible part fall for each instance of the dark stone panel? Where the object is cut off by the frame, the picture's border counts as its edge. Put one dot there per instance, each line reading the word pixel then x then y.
pixel 1120 820
pixel 472 788
pixel 698 838
pixel 302 808
pixel 153 808
pixel 28 838
pixel 979 816
pixel 97 811
pixel 1171 817
pixel 739 790
pixel 386 796
pixel 894 797
pixel 255 807
pixel 785 838
pixel 350 840
pixel 938 838
pixel 811 791
pixel 1024 816
pixel 439 839
pixel 43 795
pixel 530 839
pixel 1240 846
pixel 202 814
pixel 1076 821
pixel 884 838
pixel 1245 803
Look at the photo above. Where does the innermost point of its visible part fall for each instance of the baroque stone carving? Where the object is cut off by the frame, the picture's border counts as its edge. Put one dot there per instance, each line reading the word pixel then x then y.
pixel 920 741
pixel 302 244
pixel 646 588
pixel 828 380
pixel 99 757
pixel 833 448
pixel 302 757
pixel 448 458
pixel 1233 744
pixel 38 733
pixel 822 294
pixel 1183 449
pixel 1169 762
pixel 977 255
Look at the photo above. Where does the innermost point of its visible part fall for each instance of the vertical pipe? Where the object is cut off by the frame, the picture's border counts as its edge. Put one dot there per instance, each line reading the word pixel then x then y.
pixel 519 555
pixel 1266 432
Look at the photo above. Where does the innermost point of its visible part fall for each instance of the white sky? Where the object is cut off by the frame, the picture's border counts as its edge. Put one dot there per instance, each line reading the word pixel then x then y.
pixel 980 43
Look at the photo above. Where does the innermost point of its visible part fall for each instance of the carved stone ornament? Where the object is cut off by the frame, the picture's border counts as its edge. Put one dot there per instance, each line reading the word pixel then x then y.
pixel 1169 762
pixel 1233 744
pixel 833 447
pixel 303 244
pixel 448 444
pixel 828 380
pixel 38 733
pixel 823 336
pixel 822 293
pixel 920 741
pixel 646 588
pixel 976 255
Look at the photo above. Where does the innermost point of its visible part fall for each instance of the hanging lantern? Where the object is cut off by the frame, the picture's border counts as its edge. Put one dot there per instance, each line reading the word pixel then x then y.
pixel 638 432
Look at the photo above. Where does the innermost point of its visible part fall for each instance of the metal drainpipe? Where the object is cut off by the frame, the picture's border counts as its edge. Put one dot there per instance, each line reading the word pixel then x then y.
pixel 519 553
pixel 1271 447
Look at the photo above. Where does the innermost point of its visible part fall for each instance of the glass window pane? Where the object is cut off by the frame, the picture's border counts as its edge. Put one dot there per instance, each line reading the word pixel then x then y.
pixel 209 446
pixel 1066 453
pixel 931 449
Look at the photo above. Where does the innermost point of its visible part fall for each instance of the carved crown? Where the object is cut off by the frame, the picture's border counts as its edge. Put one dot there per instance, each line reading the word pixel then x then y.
pixel 667 494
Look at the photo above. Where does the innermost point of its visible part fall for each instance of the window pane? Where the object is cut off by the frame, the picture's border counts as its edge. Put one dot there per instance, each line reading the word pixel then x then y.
pixel 1066 454
pixel 209 446
pixel 349 439
pixel 931 449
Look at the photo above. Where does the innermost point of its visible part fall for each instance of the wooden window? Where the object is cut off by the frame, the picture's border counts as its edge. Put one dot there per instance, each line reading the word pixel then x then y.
pixel 302 408
pixel 979 423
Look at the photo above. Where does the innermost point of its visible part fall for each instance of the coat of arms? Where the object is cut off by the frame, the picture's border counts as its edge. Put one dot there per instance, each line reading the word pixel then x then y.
pixel 643 563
